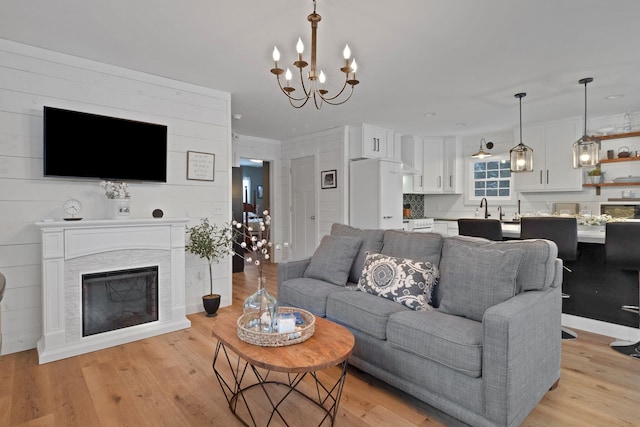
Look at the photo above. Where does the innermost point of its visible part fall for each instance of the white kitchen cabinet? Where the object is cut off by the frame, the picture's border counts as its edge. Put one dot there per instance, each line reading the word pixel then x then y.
pixel 552 158
pixel 413 158
pixel 453 165
pixel 433 166
pixel 375 194
pixel 368 142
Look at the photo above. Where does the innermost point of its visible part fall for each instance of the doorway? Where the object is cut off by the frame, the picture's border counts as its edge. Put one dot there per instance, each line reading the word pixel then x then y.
pixel 251 195
pixel 303 207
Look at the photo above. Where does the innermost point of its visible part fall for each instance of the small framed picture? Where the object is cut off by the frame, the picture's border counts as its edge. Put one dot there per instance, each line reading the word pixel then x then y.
pixel 200 166
pixel 329 179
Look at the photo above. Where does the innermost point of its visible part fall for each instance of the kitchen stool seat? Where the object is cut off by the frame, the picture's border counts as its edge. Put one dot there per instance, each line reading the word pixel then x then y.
pixel 488 228
pixel 622 250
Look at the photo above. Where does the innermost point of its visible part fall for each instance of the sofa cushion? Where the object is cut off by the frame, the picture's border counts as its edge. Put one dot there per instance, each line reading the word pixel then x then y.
pixel 362 311
pixel 371 242
pixel 452 341
pixel 333 258
pixel 308 294
pixel 537 269
pixel 401 280
pixel 472 279
pixel 417 246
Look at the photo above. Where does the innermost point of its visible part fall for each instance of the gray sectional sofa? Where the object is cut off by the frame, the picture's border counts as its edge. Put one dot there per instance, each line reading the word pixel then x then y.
pixel 485 348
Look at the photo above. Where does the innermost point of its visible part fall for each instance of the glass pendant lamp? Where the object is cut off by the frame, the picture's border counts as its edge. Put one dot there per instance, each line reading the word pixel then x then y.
pixel 521 155
pixel 586 150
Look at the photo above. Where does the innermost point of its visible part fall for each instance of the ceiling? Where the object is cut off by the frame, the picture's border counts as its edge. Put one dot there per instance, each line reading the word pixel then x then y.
pixel 460 59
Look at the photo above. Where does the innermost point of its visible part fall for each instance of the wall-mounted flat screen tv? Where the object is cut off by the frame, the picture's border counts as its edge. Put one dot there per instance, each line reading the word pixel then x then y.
pixel 84 145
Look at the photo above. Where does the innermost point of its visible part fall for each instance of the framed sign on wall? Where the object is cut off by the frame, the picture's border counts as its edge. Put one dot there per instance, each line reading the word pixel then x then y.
pixel 200 166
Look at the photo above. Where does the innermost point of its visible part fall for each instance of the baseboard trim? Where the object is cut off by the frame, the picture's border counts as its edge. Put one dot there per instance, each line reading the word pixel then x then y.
pixel 602 328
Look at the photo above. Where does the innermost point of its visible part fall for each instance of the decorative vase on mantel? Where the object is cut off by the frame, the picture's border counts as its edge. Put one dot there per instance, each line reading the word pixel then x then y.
pixel 261 309
pixel 119 208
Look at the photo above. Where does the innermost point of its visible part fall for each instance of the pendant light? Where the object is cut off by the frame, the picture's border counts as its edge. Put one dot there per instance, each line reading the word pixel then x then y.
pixel 482 154
pixel 586 150
pixel 521 155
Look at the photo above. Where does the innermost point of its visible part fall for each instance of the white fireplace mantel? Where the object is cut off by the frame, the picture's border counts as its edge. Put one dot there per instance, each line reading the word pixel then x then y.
pixel 72 248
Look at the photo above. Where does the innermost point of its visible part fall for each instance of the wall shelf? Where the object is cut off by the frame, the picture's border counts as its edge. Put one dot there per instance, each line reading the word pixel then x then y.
pixel 620 160
pixel 618 135
pixel 611 184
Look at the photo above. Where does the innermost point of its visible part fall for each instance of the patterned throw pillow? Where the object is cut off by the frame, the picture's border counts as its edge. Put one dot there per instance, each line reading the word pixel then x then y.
pixel 401 280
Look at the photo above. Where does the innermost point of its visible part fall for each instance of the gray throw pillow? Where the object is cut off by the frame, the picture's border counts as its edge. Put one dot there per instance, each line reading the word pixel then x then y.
pixel 475 278
pixel 332 259
pixel 401 280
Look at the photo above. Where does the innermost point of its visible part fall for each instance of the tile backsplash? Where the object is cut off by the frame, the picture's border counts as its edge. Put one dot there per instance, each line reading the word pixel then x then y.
pixel 417 204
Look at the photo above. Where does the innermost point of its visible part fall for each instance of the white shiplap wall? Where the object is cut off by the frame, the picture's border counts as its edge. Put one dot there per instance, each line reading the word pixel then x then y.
pixel 329 149
pixel 198 119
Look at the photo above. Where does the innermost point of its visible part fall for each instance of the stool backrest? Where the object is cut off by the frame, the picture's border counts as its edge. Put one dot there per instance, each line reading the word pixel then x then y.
pixel 562 231
pixel 488 228
pixel 622 245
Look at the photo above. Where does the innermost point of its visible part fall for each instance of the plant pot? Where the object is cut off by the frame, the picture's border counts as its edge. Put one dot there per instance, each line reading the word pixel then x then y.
pixel 211 303
pixel 595 179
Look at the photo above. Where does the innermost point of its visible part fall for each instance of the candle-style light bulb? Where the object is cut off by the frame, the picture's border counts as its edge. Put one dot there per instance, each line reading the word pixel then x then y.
pixel 299 46
pixel 323 78
pixel 354 66
pixel 287 76
pixel 346 52
pixel 276 54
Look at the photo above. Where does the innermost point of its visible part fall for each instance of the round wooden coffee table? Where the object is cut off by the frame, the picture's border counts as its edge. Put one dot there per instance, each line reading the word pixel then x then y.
pixel 264 384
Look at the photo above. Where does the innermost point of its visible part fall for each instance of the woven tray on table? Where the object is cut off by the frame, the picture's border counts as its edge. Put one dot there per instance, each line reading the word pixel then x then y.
pixel 275 339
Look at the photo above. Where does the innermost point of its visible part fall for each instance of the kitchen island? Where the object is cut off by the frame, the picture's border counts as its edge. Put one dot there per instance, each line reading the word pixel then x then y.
pixel 597 291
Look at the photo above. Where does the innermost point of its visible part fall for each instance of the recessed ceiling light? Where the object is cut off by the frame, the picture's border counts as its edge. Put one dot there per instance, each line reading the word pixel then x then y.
pixel 461 124
pixel 613 96
pixel 236 116
pixel 431 114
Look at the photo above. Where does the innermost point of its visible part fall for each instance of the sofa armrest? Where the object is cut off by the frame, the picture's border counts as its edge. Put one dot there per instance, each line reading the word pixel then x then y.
pixel 292 269
pixel 521 353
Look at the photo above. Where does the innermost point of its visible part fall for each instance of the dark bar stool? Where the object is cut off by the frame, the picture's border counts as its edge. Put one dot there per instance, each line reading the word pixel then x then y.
pixel 562 231
pixel 622 250
pixel 488 228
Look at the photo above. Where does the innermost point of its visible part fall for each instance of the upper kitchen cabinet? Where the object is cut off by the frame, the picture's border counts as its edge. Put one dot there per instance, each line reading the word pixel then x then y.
pixel 435 163
pixel 412 149
pixel 552 157
pixel 453 165
pixel 370 142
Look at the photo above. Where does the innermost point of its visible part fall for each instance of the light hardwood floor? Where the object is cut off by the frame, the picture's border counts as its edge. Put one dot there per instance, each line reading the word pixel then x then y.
pixel 168 381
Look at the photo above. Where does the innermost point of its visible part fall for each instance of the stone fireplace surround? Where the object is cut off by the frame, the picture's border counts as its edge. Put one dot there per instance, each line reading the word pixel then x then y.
pixel 73 248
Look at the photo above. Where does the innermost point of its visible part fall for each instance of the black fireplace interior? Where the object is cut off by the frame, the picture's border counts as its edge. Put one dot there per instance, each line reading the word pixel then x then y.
pixel 119 299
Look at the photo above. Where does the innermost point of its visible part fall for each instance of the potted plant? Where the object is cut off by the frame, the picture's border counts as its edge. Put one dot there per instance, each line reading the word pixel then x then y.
pixel 595 175
pixel 213 243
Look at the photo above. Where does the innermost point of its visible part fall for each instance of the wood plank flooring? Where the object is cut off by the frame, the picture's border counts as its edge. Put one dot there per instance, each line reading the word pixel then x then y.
pixel 168 381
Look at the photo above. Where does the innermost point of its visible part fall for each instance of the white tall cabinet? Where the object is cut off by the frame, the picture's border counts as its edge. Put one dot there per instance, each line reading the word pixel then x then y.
pixel 375 191
pixel 552 157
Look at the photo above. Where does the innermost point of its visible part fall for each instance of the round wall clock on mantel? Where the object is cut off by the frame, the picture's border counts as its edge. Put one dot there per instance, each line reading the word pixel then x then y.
pixel 72 207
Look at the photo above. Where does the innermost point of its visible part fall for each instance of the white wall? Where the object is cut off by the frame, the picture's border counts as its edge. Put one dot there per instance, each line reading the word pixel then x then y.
pixel 198 119
pixel 329 149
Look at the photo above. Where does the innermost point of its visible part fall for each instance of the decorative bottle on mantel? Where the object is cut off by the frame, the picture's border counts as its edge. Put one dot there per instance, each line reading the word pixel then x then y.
pixel 261 309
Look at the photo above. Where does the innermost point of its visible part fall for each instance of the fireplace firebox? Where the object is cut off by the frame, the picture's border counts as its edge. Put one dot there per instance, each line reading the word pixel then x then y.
pixel 119 299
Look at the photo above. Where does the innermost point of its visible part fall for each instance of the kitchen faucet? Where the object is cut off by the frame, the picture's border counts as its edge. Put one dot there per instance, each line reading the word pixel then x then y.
pixel 486 207
pixel 501 212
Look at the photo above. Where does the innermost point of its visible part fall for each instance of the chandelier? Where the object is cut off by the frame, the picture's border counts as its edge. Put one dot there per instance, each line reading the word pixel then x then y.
pixel 314 85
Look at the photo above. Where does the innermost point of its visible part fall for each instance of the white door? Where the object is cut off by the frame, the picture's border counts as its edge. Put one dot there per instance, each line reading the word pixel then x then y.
pixel 303 207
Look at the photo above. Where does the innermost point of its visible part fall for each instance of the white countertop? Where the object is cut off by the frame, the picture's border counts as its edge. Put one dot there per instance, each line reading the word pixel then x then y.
pixel 586 233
